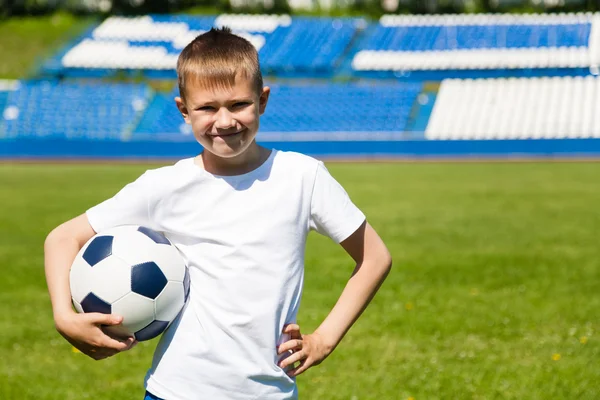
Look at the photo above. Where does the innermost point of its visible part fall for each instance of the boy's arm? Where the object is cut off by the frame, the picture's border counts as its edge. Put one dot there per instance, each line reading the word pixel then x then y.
pixel 60 248
pixel 82 330
pixel 373 263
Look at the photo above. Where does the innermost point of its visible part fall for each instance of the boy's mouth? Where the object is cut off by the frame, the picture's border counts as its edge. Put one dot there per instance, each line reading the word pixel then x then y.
pixel 227 135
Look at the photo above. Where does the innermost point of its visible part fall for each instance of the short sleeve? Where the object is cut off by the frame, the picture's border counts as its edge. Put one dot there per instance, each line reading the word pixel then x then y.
pixel 128 207
pixel 332 212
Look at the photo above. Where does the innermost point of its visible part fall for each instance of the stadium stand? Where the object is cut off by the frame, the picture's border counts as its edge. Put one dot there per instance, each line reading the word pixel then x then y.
pixel 301 112
pixel 524 108
pixel 481 42
pixel 73 110
pixel 420 108
pixel 152 43
pixel 343 108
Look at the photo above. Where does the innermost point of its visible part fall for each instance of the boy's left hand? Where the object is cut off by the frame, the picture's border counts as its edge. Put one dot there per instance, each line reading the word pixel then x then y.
pixel 309 350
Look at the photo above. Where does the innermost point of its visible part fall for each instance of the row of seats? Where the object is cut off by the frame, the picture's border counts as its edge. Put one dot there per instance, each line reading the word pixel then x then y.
pixel 307 109
pixel 516 109
pixel 473 42
pixel 567 57
pixel 306 45
pixel 486 19
pixel 154 42
pixel 530 108
pixel 72 110
pixel 462 37
pixel 110 111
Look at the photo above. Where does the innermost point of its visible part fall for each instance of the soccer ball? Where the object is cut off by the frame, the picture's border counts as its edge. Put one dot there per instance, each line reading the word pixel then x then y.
pixel 132 271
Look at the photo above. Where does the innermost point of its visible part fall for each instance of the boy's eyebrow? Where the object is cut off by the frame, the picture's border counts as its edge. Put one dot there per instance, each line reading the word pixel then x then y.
pixel 231 101
pixel 242 99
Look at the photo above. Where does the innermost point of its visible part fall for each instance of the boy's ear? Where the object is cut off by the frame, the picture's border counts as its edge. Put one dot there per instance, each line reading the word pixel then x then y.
pixel 263 100
pixel 183 109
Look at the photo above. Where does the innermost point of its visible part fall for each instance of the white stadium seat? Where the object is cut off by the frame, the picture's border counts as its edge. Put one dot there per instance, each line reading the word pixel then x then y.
pixel 516 108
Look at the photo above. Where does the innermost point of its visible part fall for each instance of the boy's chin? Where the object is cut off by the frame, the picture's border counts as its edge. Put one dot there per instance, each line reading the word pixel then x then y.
pixel 224 151
pixel 233 149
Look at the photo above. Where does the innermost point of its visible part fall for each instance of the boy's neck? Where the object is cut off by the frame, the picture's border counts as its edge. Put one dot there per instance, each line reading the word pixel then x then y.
pixel 248 161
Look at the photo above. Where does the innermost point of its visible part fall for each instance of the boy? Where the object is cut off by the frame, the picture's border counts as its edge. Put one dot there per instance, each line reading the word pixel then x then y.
pixel 239 213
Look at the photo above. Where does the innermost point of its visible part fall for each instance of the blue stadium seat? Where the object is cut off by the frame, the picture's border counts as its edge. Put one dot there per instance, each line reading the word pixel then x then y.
pixel 306 109
pixel 152 43
pixel 307 44
pixel 72 110
pixel 162 120
pixel 453 37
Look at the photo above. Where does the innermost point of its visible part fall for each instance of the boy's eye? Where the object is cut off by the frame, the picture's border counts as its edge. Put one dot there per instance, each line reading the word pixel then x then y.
pixel 240 104
pixel 205 108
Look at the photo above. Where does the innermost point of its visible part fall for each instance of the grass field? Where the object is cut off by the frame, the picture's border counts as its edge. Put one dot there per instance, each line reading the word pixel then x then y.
pixel 493 295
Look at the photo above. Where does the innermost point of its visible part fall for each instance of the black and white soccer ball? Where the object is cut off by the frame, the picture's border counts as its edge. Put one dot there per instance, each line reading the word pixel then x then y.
pixel 132 271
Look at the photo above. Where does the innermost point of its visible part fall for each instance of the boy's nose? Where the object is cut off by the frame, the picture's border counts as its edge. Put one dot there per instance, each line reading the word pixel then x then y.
pixel 224 119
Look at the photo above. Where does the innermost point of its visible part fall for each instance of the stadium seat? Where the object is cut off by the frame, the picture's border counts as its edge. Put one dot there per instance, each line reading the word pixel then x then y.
pixel 480 42
pixel 346 110
pixel 73 110
pixel 525 108
pixel 153 43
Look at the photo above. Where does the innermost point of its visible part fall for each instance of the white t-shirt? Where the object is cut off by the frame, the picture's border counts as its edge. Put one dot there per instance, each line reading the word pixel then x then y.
pixel 244 239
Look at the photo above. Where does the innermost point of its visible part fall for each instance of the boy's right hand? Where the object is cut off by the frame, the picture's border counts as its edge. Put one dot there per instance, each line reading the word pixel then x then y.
pixel 84 331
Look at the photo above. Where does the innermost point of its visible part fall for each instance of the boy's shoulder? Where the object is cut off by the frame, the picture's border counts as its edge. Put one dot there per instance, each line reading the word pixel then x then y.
pixel 170 169
pixel 168 173
pixel 296 160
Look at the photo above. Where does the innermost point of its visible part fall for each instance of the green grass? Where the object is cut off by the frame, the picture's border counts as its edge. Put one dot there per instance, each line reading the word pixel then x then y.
pixel 493 294
pixel 26 42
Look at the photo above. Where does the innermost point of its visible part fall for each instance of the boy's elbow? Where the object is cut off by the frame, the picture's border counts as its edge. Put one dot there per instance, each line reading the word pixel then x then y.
pixel 77 230
pixel 53 239
pixel 387 262
pixel 57 236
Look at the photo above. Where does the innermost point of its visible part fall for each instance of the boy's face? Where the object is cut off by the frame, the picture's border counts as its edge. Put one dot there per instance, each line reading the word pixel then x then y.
pixel 224 120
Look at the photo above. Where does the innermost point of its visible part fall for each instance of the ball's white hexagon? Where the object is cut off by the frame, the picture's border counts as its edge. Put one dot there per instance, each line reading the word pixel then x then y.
pixel 135 248
pixel 170 261
pixel 77 306
pixel 170 301
pixel 111 279
pixel 80 279
pixel 137 311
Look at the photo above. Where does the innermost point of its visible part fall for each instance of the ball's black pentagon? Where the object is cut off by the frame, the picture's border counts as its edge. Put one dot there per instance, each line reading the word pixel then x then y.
pixel 98 250
pixel 147 279
pixel 186 284
pixel 93 303
pixel 151 331
pixel 155 236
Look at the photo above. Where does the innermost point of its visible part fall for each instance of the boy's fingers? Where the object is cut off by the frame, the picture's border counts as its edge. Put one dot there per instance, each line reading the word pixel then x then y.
pixel 295 344
pixel 131 343
pixel 293 330
pixel 116 344
pixel 291 360
pixel 105 319
pixel 300 369
pixel 289 328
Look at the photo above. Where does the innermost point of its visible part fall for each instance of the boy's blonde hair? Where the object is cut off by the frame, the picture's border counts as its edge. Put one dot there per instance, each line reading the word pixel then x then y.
pixel 214 59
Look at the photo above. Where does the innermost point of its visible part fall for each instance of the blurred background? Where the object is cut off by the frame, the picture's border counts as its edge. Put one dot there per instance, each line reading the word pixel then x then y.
pixel 494 289
pixel 390 78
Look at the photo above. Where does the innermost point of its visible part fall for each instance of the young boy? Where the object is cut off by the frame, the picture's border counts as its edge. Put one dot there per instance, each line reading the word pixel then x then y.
pixel 240 214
